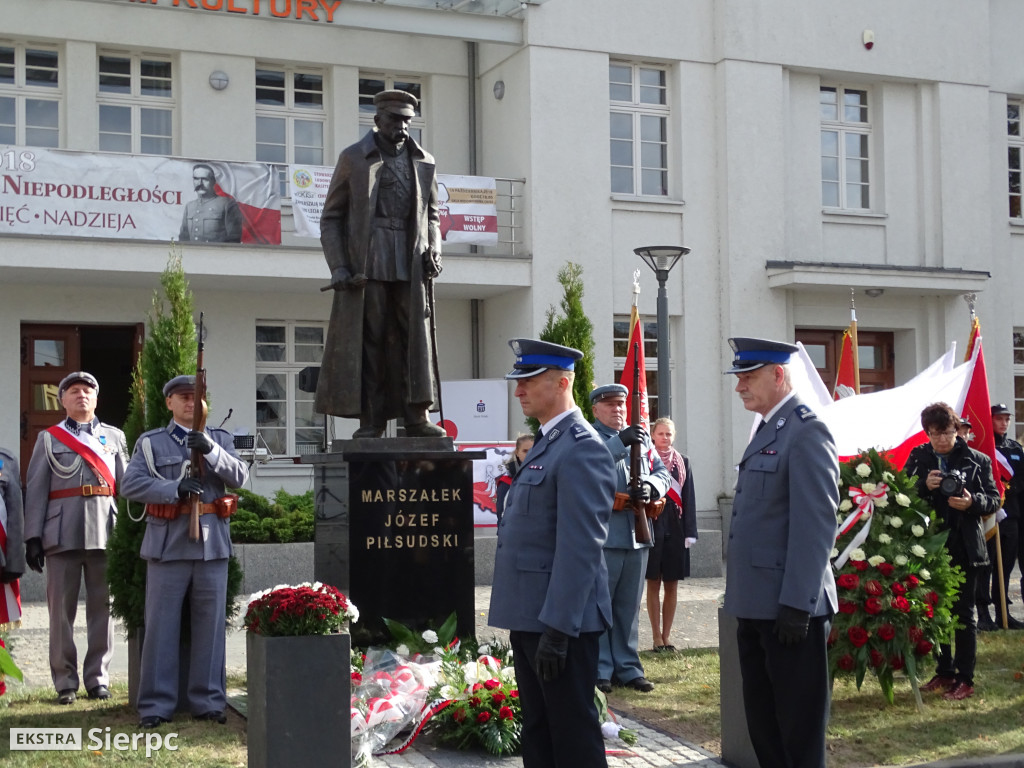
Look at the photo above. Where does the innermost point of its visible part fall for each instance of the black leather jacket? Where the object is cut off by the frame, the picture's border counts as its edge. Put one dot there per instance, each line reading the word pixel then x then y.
pixel 966 543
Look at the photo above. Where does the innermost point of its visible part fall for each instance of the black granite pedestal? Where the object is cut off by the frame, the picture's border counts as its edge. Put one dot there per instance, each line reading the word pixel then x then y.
pixel 394 531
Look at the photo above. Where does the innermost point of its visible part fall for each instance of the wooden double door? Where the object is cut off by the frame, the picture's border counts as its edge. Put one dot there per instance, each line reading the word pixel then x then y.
pixel 52 351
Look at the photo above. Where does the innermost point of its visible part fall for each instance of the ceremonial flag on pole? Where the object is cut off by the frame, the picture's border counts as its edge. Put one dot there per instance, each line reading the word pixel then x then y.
pixel 635 357
pixel 846 384
pixel 10 594
pixel 978 410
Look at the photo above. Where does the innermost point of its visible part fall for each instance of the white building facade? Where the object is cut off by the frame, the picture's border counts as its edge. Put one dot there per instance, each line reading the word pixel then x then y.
pixel 798 149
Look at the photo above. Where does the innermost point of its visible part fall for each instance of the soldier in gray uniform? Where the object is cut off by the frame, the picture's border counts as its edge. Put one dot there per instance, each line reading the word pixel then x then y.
pixel 211 218
pixel 158 476
pixel 779 582
pixel 12 524
pixel 626 557
pixel 70 509
pixel 550 581
pixel 381 235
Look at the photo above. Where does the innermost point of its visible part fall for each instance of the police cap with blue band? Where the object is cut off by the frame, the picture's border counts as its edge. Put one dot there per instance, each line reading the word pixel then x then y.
pixel 534 356
pixel 751 354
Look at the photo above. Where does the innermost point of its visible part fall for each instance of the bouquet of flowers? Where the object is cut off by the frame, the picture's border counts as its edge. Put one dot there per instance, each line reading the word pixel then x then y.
pixel 390 695
pixel 894 580
pixel 305 609
pixel 478 703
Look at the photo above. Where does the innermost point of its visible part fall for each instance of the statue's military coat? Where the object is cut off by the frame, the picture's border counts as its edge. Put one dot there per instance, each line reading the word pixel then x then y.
pixel 549 570
pixel 784 519
pixel 346 225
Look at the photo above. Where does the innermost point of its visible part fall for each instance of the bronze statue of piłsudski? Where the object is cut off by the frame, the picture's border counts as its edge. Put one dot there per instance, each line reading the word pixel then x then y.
pixel 381 237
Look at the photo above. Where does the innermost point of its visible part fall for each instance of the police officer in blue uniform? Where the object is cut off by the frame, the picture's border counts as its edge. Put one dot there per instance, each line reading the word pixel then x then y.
pixel 625 556
pixel 550 584
pixel 1010 529
pixel 158 476
pixel 779 582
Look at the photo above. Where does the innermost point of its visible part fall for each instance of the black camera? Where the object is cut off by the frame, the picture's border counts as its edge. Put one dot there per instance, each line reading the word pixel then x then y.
pixel 952 483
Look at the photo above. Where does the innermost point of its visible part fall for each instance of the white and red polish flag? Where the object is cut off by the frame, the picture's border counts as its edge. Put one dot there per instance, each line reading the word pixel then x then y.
pixel 254 186
pixel 889 420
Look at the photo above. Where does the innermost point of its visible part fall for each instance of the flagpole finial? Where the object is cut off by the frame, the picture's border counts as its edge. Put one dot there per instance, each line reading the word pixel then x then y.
pixel 971 299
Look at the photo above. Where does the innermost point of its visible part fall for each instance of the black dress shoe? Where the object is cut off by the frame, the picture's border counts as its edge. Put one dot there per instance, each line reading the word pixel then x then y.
pixel 99 692
pixel 985 623
pixel 153 721
pixel 215 716
pixel 67 696
pixel 1013 623
pixel 604 686
pixel 641 684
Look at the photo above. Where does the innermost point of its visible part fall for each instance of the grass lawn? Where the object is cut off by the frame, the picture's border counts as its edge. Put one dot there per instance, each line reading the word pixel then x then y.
pixel 864 730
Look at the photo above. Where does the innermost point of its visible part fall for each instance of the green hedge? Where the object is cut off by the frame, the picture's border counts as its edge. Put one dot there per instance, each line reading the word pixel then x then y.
pixel 287 518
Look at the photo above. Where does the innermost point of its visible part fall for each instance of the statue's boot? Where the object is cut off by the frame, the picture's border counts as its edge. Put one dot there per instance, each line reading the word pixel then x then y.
pixel 368 430
pixel 418 425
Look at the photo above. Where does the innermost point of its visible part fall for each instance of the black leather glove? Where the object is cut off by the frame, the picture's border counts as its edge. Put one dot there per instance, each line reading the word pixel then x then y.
pixel 189 485
pixel 8 577
pixel 34 554
pixel 431 263
pixel 644 493
pixel 633 435
pixel 200 441
pixel 791 625
pixel 552 649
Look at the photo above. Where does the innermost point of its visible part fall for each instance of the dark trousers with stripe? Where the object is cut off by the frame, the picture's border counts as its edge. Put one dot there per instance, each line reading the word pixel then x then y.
pixel 786 693
pixel 560 728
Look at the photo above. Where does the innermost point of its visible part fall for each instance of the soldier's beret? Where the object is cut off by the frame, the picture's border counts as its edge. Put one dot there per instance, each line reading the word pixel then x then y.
pixel 534 356
pixel 74 378
pixel 608 390
pixel 183 383
pixel 751 354
pixel 1000 408
pixel 396 102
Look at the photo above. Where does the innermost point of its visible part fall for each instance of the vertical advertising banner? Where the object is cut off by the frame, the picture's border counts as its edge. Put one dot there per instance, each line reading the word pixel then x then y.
pixel 467 205
pixel 83 194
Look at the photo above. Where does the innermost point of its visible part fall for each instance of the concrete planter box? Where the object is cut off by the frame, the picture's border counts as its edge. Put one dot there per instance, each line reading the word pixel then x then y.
pixel 299 700
pixel 267 565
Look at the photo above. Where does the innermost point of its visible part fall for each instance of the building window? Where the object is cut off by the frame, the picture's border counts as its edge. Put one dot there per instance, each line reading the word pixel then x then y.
pixel 285 418
pixel 136 101
pixel 620 346
pixel 30 96
pixel 371 85
pixel 1018 384
pixel 845 140
pixel 1016 146
pixel 639 129
pixel 290 119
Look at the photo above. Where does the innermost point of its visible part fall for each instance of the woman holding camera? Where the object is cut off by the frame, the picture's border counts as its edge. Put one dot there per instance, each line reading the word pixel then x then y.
pixel 957 481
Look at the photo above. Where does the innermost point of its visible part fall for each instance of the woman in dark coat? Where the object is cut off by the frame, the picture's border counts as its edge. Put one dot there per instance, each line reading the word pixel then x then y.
pixel 674 531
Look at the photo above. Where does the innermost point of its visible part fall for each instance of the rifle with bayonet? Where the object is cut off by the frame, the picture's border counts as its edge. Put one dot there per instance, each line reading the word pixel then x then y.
pixel 195 500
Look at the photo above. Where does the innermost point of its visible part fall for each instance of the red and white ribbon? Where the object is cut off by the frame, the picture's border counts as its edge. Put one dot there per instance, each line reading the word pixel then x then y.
pixel 865 509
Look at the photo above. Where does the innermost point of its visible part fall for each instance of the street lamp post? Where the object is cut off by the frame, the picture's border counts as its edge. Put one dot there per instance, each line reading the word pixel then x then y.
pixel 661 259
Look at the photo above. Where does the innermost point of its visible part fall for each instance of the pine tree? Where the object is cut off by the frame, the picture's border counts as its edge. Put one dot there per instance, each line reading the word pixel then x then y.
pixel 573 329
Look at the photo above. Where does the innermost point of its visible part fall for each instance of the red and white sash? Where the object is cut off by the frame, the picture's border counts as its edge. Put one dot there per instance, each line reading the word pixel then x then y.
pixel 101 465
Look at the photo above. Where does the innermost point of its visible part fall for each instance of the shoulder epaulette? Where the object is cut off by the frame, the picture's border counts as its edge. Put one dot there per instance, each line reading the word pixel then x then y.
pixel 580 431
pixel 804 412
